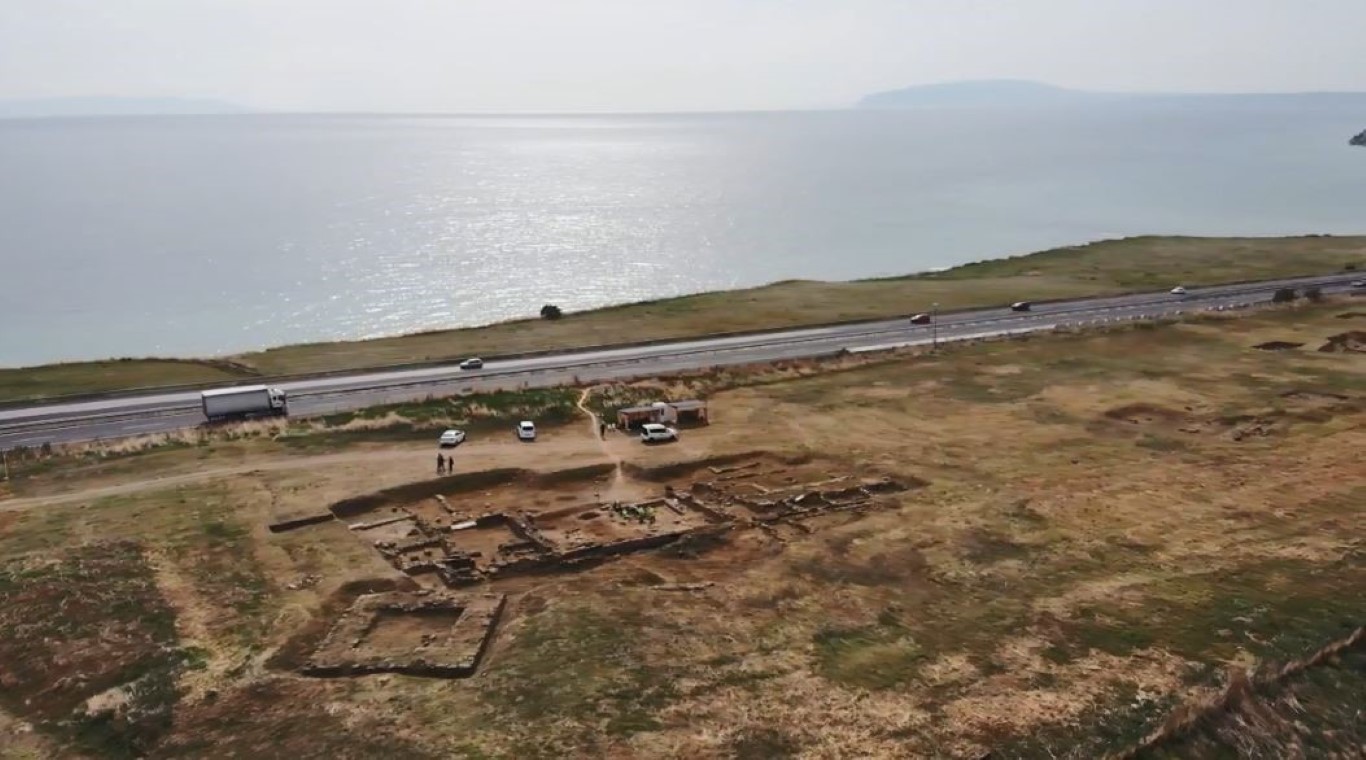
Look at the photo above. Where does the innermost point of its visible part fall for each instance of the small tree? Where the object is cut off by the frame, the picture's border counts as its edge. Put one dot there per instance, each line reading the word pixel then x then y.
pixel 1314 294
pixel 551 311
pixel 1283 295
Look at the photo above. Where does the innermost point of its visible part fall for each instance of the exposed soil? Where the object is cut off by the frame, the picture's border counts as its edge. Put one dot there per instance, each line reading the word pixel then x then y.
pixel 294 651
pixel 393 631
pixel 285 717
pixel 484 526
pixel 1353 341
pixel 1314 397
pixel 1148 414
pixel 1074 566
pixel 99 615
pixel 1296 405
pixel 483 543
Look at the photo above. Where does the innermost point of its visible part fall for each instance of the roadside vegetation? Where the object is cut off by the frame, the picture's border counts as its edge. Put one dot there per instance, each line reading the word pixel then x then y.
pixel 49 469
pixel 1143 263
pixel 1118 527
pixel 116 374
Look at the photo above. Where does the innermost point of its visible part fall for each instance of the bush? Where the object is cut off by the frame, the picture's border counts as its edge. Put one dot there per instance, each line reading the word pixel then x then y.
pixel 1351 267
pixel 1314 294
pixel 551 311
pixel 1283 295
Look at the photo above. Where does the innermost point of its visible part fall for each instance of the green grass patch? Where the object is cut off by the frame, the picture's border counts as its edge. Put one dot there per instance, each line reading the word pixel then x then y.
pixel 1314 714
pixel 1276 610
pixel 76 626
pixel 217 552
pixel 1119 720
pixel 475 413
pixel 1158 262
pixel 52 380
pixel 579 665
pixel 877 656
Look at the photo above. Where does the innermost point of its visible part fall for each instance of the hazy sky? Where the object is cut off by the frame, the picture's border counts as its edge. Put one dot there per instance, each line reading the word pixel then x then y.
pixel 647 55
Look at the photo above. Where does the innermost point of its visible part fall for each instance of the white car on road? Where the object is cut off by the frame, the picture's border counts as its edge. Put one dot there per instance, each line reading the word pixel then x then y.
pixel 451 438
pixel 472 363
pixel 1178 291
pixel 652 432
pixel 526 430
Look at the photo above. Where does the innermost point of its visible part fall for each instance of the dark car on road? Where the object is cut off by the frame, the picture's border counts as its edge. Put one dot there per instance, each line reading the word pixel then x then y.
pixel 1021 306
pixel 920 319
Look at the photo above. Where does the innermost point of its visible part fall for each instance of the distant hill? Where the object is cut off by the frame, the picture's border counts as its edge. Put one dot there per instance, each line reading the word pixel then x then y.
pixel 978 93
pixel 1021 93
pixel 98 106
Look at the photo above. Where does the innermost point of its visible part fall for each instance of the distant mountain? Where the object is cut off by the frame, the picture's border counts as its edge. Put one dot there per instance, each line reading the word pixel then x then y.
pixel 979 93
pixel 1020 93
pixel 1360 139
pixel 97 106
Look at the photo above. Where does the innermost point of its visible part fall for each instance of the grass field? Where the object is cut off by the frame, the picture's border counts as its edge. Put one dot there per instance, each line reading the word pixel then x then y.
pixel 1098 268
pixel 1111 522
pixel 118 374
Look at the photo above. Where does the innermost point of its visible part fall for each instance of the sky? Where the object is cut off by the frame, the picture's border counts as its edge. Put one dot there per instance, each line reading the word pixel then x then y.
pixel 659 55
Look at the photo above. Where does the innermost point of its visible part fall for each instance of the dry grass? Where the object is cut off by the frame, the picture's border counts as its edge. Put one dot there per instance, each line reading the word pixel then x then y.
pixel 1070 272
pixel 1098 268
pixel 1111 520
pixel 95 377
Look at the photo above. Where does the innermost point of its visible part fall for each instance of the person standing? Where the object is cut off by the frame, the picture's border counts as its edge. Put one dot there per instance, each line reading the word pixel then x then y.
pixel 440 464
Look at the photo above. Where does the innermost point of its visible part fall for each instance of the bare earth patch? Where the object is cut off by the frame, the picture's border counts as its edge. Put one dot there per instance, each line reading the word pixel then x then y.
pixel 1089 532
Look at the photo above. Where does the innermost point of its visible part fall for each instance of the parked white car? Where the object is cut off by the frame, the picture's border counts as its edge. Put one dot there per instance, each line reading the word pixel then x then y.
pixel 526 430
pixel 451 438
pixel 652 432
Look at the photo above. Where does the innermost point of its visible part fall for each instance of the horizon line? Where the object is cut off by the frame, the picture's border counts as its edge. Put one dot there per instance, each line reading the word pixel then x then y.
pixel 254 111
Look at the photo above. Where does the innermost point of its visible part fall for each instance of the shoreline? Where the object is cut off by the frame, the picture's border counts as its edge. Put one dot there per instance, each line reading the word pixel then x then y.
pixel 1099 268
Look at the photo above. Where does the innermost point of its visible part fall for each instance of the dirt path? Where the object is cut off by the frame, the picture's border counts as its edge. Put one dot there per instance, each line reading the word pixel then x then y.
pixel 167 481
pixel 411 461
pixel 617 487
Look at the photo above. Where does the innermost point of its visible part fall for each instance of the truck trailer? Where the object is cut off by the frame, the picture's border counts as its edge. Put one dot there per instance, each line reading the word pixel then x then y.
pixel 244 401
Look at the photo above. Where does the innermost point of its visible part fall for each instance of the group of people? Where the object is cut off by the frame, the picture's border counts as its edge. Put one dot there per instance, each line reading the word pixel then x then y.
pixel 445 464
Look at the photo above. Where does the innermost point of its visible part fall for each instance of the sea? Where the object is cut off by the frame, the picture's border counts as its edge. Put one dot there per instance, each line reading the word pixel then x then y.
pixel 202 236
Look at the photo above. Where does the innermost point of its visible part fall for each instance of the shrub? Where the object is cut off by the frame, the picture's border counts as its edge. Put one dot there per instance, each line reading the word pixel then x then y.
pixel 551 311
pixel 1314 294
pixel 1283 295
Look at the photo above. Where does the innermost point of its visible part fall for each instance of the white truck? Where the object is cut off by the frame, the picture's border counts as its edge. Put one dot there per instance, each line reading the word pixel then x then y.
pixel 244 401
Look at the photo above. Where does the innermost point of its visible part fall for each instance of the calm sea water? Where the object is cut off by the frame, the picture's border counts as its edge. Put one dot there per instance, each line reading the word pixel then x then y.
pixel 207 235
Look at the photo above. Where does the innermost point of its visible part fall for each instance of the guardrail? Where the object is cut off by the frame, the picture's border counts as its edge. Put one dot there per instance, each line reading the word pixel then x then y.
pixel 757 332
pixel 1044 321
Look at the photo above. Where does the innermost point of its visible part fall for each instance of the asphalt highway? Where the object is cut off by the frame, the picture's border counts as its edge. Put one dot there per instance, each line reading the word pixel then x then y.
pixel 162 412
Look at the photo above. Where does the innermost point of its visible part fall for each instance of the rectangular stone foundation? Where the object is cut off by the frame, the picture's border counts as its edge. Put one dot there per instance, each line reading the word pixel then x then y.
pixel 419 634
